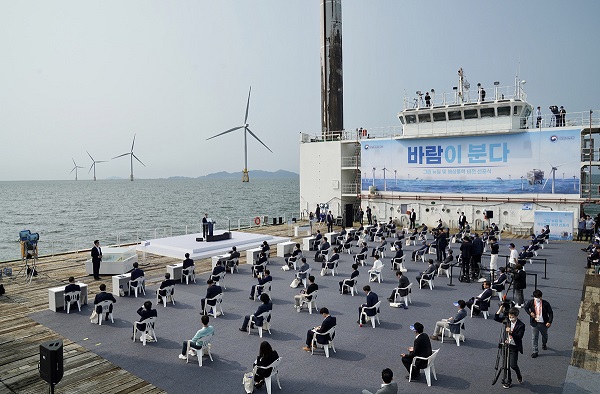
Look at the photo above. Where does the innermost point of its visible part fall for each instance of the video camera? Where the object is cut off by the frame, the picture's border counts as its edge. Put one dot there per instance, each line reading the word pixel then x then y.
pixel 505 307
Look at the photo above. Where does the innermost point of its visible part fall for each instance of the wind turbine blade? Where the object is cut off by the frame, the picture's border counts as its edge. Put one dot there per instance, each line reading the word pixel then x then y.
pixel 101 161
pixel 546 182
pixel 124 154
pixel 258 139
pixel 89 155
pixel 73 169
pixel 92 166
pixel 247 106
pixel 75 164
pixel 225 132
pixel 138 160
pixel 133 143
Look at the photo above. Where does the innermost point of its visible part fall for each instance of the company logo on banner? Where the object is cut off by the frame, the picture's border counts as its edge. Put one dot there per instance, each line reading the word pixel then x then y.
pixel 560 222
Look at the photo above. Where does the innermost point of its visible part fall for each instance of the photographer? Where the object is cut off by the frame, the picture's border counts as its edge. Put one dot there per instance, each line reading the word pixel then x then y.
pixel 515 329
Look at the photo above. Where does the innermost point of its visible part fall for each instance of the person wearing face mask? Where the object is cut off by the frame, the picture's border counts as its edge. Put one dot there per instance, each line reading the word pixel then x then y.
pixel 515 329
pixel 540 319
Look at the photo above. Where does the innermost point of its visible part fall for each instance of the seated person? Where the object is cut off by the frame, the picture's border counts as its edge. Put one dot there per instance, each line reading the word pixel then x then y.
pixel 266 357
pixel 375 269
pixel 478 300
pixel 467 228
pixel 261 282
pixel 211 292
pixel 136 273
pixel 324 246
pixel 421 251
pixel 594 256
pixel 402 283
pixel 440 226
pixel 445 265
pixel 219 268
pixel 414 234
pixel 264 307
pixel 331 262
pixel 301 274
pixel 72 286
pixel 295 253
pixel 498 284
pixel 372 300
pixel 305 295
pixel 258 266
pixel 188 264
pixel 524 255
pixel 342 234
pixel 328 323
pixel 352 280
pixel 400 235
pixel 445 323
pixel 388 386
pixel 362 255
pixel 317 241
pixel 428 273
pixel 234 257
pixel 145 312
pixel 103 296
pixel 265 248
pixel 397 245
pixel 399 254
pixel 195 342
pixel 165 283
pixel 380 248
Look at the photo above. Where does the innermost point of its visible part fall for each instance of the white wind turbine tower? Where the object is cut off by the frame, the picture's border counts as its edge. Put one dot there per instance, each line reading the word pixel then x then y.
pixel 75 168
pixel 94 164
pixel 373 176
pixel 245 177
pixel 132 155
pixel 384 181
pixel 553 170
pixel 395 179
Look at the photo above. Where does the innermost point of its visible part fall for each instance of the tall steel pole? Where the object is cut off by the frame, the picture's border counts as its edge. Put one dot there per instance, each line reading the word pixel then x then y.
pixel 590 152
pixel 332 92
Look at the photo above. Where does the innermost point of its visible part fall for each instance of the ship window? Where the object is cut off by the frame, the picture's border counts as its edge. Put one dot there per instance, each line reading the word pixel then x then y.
pixel 424 118
pixel 454 115
pixel 517 110
pixel 487 112
pixel 411 119
pixel 401 119
pixel 439 116
pixel 470 114
pixel 503 111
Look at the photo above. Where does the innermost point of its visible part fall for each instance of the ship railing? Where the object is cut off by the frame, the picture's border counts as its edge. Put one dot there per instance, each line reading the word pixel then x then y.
pixel 350 188
pixel 350 161
pixel 575 119
pixel 495 93
pixel 353 135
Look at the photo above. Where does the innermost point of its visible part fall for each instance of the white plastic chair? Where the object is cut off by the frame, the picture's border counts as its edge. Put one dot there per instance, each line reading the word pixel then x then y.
pixel 105 309
pixel 351 288
pixel 312 303
pixel 73 297
pixel 191 274
pixel 360 259
pixel 427 279
pixel 376 274
pixel 140 284
pixel 219 279
pixel 430 366
pixel 219 299
pixel 274 372
pixel 255 270
pixel 149 331
pixel 332 269
pixel 262 289
pixel 266 324
pixel 305 279
pixel 457 337
pixel 406 299
pixel 169 291
pixel 441 271
pixel 372 318
pixel 232 265
pixel 199 352
pixel 475 306
pixel 294 261
pixel 398 264
pixel 499 293
pixel 326 346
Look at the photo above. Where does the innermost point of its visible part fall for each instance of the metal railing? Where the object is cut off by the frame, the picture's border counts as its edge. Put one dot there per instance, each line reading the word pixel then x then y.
pixel 468 96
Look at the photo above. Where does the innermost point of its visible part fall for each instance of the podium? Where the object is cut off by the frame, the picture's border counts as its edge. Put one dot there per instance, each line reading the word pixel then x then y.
pixel 210 225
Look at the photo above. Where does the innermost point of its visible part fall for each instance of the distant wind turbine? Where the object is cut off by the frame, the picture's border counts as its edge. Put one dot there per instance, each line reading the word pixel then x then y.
pixel 245 177
pixel 384 181
pixel 132 155
pixel 94 164
pixel 373 176
pixel 75 168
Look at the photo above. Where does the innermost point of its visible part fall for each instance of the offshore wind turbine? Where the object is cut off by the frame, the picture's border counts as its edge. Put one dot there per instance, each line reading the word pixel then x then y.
pixel 75 168
pixel 94 164
pixel 132 155
pixel 245 177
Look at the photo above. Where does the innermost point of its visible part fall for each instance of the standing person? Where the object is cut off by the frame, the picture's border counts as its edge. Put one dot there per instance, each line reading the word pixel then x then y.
pixel 580 228
pixel 538 114
pixel 515 330
pixel 540 319
pixel 442 243
pixel 205 226
pixel 462 220
pixel 369 216
pixel 388 386
pixel 589 229
pixel 361 215
pixel 466 252
pixel 318 213
pixel 195 342
pixel 420 348
pixel 96 259
pixel 562 114
pixel 427 99
pixel 329 222
pixel 477 253
pixel 494 250
pixel 266 356
pixel 413 219
pixel 519 284
pixel 513 257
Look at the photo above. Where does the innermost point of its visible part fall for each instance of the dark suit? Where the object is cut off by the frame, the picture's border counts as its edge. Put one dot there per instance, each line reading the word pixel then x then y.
pixel 328 323
pixel 413 218
pixel 257 320
pixel 483 306
pixel 104 296
pixel 312 287
pixel 96 259
pixel 216 271
pixel 331 262
pixel 402 282
pixel 497 285
pixel 211 292
pixel 136 273
pixel 538 328
pixel 187 263
pixel 145 314
pixel 324 246
pixel 329 222
pixel 513 350
pixel 204 227
pixel 72 287
pixel 428 273
pixel 421 348
pixel 353 275
pixel 262 373
pixel 261 282
pixel 372 299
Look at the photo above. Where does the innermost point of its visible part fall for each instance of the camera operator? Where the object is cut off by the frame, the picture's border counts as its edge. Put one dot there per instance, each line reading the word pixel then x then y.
pixel 519 284
pixel 515 329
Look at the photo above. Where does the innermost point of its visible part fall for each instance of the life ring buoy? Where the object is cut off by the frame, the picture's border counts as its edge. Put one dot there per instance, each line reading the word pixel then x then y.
pixel 257 221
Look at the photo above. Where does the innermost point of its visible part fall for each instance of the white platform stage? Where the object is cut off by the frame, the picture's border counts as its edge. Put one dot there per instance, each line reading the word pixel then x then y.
pixel 178 246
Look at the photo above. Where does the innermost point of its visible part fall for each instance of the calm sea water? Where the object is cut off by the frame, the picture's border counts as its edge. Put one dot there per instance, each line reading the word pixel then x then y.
pixel 69 215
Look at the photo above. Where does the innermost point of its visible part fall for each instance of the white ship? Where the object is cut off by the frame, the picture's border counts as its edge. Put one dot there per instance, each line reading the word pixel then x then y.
pixel 463 151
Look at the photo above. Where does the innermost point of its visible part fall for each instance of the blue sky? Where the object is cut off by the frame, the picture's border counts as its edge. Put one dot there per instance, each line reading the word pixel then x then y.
pixel 79 76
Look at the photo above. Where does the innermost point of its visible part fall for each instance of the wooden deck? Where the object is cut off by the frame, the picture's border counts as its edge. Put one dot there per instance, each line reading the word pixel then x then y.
pixel 586 346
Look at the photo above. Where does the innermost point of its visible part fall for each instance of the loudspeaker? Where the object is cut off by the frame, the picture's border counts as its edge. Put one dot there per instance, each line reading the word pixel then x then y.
pixel 489 214
pixel 51 361
pixel 348 216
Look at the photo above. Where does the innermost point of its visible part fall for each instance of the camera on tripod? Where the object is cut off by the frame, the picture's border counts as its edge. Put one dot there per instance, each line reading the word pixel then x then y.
pixel 29 243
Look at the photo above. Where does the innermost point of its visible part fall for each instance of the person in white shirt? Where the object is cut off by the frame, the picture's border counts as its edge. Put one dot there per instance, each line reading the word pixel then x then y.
pixel 376 269
pixel 514 255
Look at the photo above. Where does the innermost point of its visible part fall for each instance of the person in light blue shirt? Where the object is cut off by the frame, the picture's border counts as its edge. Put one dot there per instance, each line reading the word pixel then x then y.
pixel 195 342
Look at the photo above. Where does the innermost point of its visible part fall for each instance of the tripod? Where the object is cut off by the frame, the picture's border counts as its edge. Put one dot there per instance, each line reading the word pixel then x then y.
pixel 502 359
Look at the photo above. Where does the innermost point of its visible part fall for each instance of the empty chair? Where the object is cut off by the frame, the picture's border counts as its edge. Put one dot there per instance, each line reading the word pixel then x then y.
pixel 365 310
pixel 138 284
pixel 430 366
pixel 406 298
pixel 274 372
pixel 106 308
pixel 455 330
pixel 312 303
pixel 329 342
pixel 148 331
pixel 167 293
pixel 205 349
pixel 71 298
pixel 266 323
pixel 187 274
pixel 207 308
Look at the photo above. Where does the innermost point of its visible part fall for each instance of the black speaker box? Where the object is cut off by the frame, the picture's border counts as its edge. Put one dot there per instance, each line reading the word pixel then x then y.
pixel 489 214
pixel 51 361
pixel 348 215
